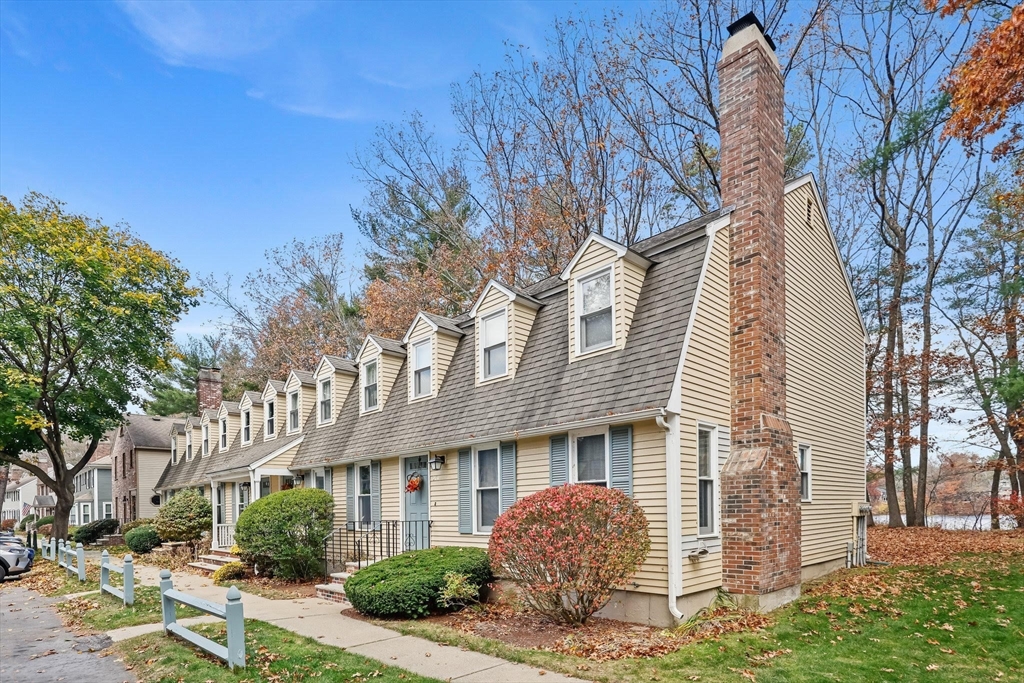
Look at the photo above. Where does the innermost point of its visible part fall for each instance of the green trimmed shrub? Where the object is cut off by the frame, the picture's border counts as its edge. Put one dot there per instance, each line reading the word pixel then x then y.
pixel 410 585
pixel 232 571
pixel 48 519
pixel 25 520
pixel 142 539
pixel 136 523
pixel 87 534
pixel 283 534
pixel 185 517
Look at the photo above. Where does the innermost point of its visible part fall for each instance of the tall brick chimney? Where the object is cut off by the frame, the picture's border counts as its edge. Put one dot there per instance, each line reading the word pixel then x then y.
pixel 209 388
pixel 761 479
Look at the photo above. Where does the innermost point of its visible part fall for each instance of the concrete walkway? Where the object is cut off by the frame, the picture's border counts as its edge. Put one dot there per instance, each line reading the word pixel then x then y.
pixel 322 620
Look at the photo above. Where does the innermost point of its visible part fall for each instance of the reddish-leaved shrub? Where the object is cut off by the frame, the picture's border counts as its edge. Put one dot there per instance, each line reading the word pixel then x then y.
pixel 8 524
pixel 568 547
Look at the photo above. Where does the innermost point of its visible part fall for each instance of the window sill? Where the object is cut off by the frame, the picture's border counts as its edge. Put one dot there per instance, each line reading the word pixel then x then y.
pixel 708 537
pixel 420 398
pixel 496 378
pixel 580 355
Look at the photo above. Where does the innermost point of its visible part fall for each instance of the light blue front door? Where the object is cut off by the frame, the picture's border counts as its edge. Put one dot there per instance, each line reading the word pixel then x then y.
pixel 416 528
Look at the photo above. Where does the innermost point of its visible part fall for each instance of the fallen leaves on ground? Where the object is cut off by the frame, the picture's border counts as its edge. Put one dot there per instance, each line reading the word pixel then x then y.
pixel 71 611
pixel 932 547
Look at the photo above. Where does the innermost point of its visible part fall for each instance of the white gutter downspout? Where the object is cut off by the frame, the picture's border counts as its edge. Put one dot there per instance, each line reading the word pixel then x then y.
pixel 669 421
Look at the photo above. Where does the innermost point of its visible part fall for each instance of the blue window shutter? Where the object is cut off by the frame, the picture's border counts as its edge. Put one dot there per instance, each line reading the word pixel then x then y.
pixel 559 464
pixel 375 494
pixel 507 482
pixel 622 459
pixel 465 491
pixel 350 497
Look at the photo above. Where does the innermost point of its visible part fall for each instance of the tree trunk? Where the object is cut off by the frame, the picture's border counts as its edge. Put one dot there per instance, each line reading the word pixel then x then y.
pixel 925 407
pixel 65 495
pixel 904 433
pixel 994 496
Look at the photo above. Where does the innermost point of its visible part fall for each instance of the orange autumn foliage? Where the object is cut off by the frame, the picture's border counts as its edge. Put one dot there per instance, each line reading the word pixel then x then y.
pixel 989 85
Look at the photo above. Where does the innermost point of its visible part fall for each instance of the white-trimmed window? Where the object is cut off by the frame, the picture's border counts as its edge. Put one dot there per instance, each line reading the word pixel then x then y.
pixel 206 439
pixel 73 517
pixel 108 510
pixel 594 312
pixel 270 419
pixel 706 481
pixel 246 426
pixel 370 385
pixel 493 345
pixel 243 494
pixel 325 401
pixel 293 411
pixel 485 487
pixel 804 457
pixel 589 457
pixel 421 369
pixel 320 479
pixel 86 513
pixel 218 504
pixel 174 450
pixel 223 433
pixel 364 495
pixel 188 446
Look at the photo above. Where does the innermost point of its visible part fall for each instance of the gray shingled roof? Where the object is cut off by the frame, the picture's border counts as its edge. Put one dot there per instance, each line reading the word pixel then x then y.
pixel 305 377
pixel 232 407
pixel 343 364
pixel 178 428
pixel 254 396
pixel 278 385
pixel 388 345
pixel 547 391
pixel 150 431
pixel 443 323
pixel 243 457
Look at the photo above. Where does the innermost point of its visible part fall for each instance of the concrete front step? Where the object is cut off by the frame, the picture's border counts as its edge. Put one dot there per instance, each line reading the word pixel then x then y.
pixel 219 559
pixel 339 578
pixel 333 592
pixel 205 566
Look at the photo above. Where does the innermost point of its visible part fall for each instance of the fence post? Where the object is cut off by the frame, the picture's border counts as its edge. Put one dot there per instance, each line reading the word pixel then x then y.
pixel 104 570
pixel 166 604
pixel 80 556
pixel 236 629
pixel 129 580
pixel 53 549
pixel 60 552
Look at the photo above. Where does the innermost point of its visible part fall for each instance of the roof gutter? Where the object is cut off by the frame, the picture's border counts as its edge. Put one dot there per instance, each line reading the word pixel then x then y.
pixel 618 418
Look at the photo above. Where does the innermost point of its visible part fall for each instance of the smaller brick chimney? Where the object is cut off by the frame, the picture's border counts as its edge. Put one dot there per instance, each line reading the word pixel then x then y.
pixel 760 484
pixel 209 388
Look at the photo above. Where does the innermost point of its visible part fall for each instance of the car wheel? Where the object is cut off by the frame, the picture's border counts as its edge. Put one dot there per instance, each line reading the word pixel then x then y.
pixel 3 572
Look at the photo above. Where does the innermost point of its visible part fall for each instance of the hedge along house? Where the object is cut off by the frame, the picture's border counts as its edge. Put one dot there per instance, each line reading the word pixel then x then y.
pixel 713 372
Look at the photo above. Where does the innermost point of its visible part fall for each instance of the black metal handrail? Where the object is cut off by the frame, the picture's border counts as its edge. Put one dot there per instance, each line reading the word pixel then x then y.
pixel 362 543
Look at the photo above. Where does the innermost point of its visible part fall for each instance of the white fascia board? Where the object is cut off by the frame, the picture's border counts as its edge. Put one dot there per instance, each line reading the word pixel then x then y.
pixel 419 316
pixel 509 294
pixel 366 342
pixel 621 251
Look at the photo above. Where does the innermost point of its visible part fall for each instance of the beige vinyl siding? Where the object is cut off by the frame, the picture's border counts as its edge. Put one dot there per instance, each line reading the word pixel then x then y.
pixel 705 398
pixel 391 489
pixel 387 371
pixel 519 333
pixel 341 385
pixel 149 466
pixel 255 422
pixel 339 483
pixel 284 459
pixel 532 475
pixel 280 412
pixel 627 280
pixel 596 256
pixel 824 379
pixel 229 503
pixel 443 350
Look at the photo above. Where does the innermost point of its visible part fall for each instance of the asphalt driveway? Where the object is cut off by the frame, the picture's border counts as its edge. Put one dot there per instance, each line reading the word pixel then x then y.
pixel 36 648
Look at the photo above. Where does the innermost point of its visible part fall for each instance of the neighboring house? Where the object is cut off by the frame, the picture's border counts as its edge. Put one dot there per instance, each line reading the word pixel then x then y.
pixel 713 372
pixel 138 455
pixel 20 498
pixel 93 491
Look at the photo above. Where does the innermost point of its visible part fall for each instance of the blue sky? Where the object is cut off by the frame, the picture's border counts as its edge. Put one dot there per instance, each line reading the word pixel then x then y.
pixel 218 130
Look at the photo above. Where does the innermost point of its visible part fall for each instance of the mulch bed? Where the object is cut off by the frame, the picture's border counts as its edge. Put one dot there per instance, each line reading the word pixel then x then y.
pixel 920 546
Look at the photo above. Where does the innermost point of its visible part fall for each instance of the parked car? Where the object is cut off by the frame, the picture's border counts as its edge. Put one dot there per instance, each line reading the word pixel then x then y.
pixel 15 558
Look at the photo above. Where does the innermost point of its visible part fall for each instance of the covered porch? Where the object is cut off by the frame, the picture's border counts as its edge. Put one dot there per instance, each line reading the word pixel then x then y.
pixel 232 492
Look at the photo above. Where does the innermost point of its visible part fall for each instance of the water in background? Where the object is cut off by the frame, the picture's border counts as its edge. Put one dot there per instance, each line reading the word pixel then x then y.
pixel 954 522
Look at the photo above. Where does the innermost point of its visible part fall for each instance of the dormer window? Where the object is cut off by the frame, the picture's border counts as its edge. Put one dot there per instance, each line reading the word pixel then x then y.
pixel 206 439
pixel 325 401
pixel 494 347
pixel 188 446
pixel 370 385
pixel 594 315
pixel 293 411
pixel 421 369
pixel 223 433
pixel 246 426
pixel 270 418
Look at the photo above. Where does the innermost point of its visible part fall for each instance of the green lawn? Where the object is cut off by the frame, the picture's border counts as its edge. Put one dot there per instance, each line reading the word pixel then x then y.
pixel 272 654
pixel 104 612
pixel 956 623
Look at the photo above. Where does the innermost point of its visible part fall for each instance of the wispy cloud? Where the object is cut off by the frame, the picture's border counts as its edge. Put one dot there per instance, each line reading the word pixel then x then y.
pixel 208 35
